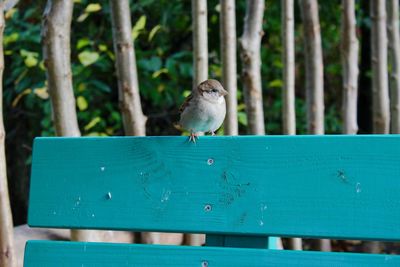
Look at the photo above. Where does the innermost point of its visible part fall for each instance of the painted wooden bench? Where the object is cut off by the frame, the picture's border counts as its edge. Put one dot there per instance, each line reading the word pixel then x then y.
pixel 236 190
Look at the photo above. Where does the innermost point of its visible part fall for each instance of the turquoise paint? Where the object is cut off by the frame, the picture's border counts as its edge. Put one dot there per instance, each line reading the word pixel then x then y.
pixel 302 186
pixel 57 253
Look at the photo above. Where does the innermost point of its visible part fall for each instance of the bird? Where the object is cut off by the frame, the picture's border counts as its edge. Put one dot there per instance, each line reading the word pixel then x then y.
pixel 204 109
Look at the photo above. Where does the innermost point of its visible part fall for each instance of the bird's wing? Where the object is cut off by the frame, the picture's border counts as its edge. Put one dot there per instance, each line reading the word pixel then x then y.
pixel 186 103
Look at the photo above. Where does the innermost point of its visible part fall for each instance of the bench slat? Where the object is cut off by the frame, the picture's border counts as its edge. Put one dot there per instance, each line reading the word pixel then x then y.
pixel 344 187
pixel 55 254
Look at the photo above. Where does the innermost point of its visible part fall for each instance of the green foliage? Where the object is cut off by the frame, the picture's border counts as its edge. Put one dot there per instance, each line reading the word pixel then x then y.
pixel 163 46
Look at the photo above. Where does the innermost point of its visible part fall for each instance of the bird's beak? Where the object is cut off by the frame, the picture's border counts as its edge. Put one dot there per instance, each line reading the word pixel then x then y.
pixel 224 92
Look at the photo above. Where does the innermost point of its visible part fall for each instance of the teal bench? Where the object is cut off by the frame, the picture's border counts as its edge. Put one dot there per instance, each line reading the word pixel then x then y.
pixel 236 190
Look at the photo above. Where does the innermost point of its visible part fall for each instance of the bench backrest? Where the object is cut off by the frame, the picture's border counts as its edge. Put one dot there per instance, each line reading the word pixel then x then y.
pixel 340 187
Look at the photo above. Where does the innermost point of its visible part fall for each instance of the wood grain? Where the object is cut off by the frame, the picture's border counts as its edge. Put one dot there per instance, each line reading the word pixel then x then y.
pixel 342 187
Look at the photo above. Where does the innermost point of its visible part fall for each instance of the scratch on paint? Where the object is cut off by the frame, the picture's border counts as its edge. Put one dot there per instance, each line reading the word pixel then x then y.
pixel 263 208
pixel 165 195
pixel 358 188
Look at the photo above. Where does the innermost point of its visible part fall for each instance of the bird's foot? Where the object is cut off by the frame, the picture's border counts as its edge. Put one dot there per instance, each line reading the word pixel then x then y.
pixel 212 133
pixel 193 137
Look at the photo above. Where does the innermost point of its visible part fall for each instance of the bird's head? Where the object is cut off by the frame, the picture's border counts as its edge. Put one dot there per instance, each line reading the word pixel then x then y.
pixel 212 90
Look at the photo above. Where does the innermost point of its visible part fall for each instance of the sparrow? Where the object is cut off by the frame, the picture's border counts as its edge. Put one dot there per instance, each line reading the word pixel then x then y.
pixel 204 109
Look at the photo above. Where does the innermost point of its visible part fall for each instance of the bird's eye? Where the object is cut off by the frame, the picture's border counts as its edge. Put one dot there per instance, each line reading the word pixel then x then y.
pixel 214 90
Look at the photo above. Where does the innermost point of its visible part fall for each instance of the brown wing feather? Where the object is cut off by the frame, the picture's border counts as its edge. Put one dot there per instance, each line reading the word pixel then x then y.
pixel 185 103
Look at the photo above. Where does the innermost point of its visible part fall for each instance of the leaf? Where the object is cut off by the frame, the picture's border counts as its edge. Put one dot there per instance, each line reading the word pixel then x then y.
pixel 159 72
pixel 26 53
pixel 103 47
pixel 153 32
pixel 139 26
pixel 276 84
pixel 92 123
pixel 30 58
pixel 42 66
pixel 82 17
pixel 241 107
pixel 81 103
pixel 242 118
pixel 30 61
pixel 10 11
pixel 93 8
pixel 12 38
pixel 41 92
pixel 87 57
pixel 82 43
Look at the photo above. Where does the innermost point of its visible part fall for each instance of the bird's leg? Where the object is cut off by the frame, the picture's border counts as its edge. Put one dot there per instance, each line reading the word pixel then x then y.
pixel 212 133
pixel 193 136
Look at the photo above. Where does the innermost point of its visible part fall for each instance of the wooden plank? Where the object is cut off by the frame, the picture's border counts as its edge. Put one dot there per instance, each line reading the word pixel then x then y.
pixel 343 187
pixel 58 253
pixel 238 241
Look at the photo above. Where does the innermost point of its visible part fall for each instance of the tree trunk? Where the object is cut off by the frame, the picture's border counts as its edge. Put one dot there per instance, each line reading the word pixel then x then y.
pixel 314 66
pixel 131 108
pixel 229 68
pixel 288 94
pixel 380 90
pixel 56 52
pixel 289 115
pixel 200 70
pixel 250 45
pixel 380 87
pixel 394 56
pixel 7 248
pixel 349 49
pixel 200 41
pixel 314 76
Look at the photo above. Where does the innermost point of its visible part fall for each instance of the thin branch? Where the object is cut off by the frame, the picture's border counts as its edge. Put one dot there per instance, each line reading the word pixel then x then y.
pixel 200 41
pixel 289 113
pixel 229 66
